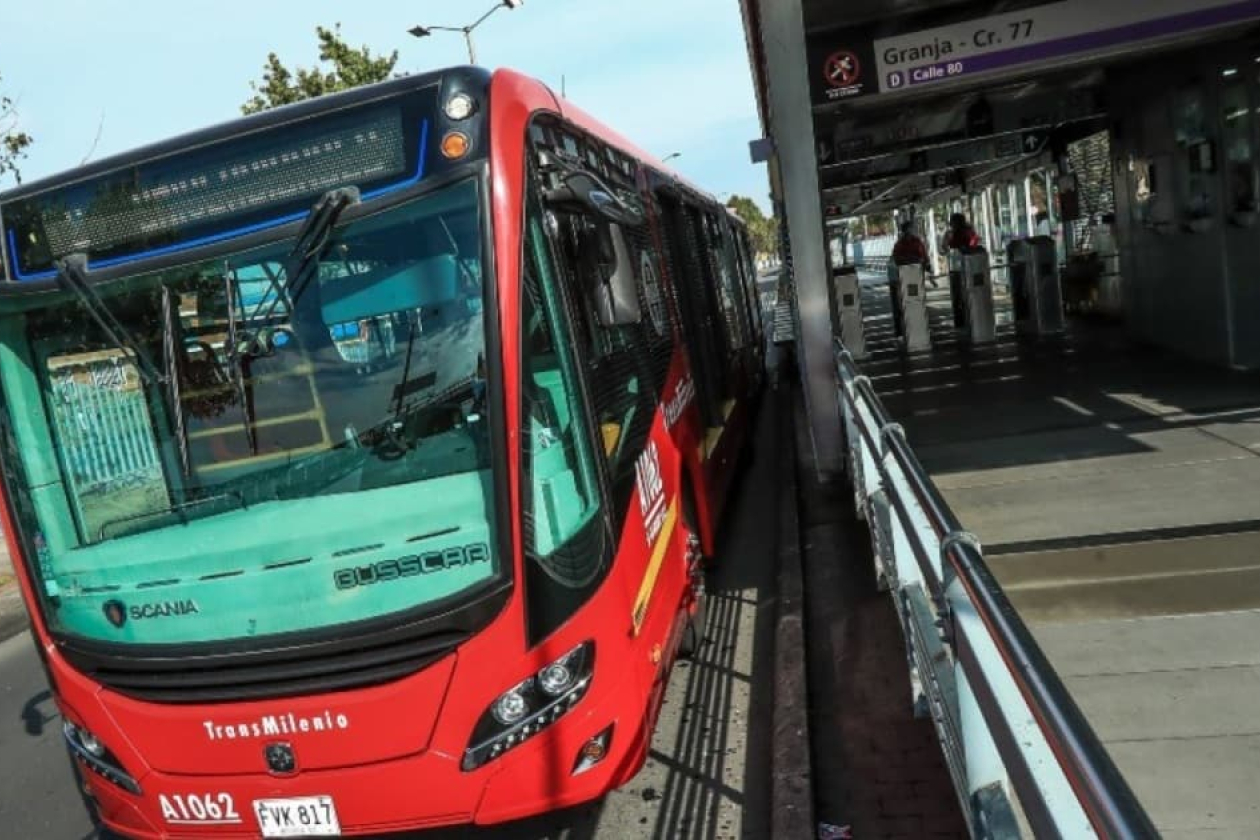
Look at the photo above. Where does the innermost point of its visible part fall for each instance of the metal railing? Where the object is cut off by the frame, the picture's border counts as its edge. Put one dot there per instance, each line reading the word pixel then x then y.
pixel 103 428
pixel 1021 754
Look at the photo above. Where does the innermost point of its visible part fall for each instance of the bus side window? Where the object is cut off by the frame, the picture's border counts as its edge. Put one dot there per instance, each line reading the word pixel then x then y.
pixel 730 293
pixel 566 541
pixel 748 277
pixel 563 484
pixel 620 374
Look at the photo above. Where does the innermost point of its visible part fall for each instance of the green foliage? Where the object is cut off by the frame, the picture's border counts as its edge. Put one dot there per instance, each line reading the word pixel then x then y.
pixel 880 224
pixel 350 68
pixel 13 143
pixel 763 231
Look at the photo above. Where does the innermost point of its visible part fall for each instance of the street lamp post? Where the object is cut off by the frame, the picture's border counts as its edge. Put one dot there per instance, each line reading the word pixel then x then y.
pixel 466 31
pixel 670 157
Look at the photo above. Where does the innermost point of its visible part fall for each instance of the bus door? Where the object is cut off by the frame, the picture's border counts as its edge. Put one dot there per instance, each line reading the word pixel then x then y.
pixel 698 318
pixel 752 294
pixel 727 303
pixel 623 358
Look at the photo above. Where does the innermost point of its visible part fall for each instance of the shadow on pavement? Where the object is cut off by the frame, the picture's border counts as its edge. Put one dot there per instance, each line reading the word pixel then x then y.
pixel 34 719
pixel 708 769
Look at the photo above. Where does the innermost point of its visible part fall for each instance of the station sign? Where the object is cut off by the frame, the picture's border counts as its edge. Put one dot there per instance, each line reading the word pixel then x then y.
pixel 1040 37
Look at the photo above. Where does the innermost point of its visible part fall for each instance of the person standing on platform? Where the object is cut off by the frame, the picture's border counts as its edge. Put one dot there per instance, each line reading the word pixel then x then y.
pixel 907 250
pixel 910 249
pixel 961 235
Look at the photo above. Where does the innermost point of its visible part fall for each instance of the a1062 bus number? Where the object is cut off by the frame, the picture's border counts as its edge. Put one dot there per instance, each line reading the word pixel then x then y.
pixel 197 808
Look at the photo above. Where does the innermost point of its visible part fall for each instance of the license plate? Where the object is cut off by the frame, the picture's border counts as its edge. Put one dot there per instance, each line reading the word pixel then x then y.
pixel 301 816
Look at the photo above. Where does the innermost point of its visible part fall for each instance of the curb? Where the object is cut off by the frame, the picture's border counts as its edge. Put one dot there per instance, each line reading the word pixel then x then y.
pixel 792 790
pixel 13 617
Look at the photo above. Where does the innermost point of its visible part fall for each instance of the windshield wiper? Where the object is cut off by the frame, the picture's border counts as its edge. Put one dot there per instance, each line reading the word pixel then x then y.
pixel 310 244
pixel 72 276
pixel 236 356
pixel 400 390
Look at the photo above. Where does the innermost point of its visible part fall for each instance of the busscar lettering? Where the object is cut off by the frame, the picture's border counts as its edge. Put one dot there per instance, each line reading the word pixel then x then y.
pixel 410 566
pixel 269 726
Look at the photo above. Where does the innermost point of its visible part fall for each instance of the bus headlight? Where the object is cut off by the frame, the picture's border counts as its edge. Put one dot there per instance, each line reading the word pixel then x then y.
pixel 460 107
pixel 89 742
pixel 512 706
pixel 526 709
pixel 96 757
pixel 555 679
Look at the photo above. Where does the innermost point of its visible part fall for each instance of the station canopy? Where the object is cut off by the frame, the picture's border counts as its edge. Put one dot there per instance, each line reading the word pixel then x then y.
pixel 917 101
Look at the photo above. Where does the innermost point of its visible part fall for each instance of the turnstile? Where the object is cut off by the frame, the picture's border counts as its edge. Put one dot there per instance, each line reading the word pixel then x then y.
pixel 846 313
pixel 1035 290
pixel 1018 254
pixel 1110 284
pixel 894 299
pixel 910 307
pixel 977 296
pixel 957 290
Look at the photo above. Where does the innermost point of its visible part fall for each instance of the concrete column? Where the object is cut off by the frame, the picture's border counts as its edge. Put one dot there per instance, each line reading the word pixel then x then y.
pixel 791 126
pixel 1029 211
pixel 990 223
pixel 934 243
pixel 1012 202
pixel 1050 189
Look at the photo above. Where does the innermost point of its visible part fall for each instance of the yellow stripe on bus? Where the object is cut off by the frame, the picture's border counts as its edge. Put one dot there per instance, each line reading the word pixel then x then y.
pixel 654 566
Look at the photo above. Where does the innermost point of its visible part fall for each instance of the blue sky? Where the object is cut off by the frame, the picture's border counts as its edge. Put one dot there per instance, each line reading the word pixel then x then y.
pixel 672 75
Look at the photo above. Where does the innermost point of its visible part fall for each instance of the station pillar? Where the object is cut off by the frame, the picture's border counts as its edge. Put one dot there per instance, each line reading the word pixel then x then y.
pixel 789 113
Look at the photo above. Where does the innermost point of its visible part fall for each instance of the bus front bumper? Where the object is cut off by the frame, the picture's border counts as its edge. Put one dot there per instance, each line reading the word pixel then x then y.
pixel 420 791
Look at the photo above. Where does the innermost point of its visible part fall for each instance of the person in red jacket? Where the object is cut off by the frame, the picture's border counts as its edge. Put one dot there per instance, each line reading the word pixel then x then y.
pixel 961 235
pixel 909 249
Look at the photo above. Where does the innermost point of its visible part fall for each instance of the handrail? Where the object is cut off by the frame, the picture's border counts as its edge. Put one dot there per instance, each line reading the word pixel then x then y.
pixel 928 496
pixel 1105 796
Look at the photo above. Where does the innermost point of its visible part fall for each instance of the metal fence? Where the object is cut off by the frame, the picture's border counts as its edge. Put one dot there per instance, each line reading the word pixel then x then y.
pixel 1021 754
pixel 103 429
pixel 874 249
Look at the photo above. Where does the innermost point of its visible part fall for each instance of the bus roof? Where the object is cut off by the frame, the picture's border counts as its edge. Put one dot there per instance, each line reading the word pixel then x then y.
pixel 297 111
pixel 583 119
pixel 240 126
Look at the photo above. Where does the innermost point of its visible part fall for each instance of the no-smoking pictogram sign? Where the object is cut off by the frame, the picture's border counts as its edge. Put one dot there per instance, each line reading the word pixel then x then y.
pixel 842 69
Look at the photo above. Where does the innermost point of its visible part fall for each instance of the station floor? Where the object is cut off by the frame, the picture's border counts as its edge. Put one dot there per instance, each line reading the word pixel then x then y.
pixel 1114 488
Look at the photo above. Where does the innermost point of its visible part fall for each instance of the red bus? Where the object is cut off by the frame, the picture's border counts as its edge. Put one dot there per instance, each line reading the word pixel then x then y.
pixel 359 457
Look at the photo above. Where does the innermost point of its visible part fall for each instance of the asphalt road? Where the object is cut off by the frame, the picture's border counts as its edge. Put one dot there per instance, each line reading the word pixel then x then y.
pixel 708 772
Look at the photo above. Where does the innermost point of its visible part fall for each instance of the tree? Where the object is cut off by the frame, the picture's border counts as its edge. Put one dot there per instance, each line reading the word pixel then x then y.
pixel 763 231
pixel 350 68
pixel 13 142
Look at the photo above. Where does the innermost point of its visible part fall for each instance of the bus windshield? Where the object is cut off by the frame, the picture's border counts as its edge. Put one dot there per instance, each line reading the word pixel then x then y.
pixel 259 456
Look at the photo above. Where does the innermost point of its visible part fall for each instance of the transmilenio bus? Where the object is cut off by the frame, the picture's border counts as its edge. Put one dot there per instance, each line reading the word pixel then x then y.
pixel 359 457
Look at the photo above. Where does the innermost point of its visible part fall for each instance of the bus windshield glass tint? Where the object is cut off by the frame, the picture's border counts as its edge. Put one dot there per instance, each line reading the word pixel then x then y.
pixel 306 457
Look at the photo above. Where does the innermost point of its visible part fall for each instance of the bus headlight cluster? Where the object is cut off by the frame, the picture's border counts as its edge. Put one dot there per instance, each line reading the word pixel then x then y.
pixel 94 755
pixel 526 709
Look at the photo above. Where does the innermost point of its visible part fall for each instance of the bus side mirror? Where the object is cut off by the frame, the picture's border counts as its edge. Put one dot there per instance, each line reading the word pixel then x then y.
pixel 580 192
pixel 606 261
